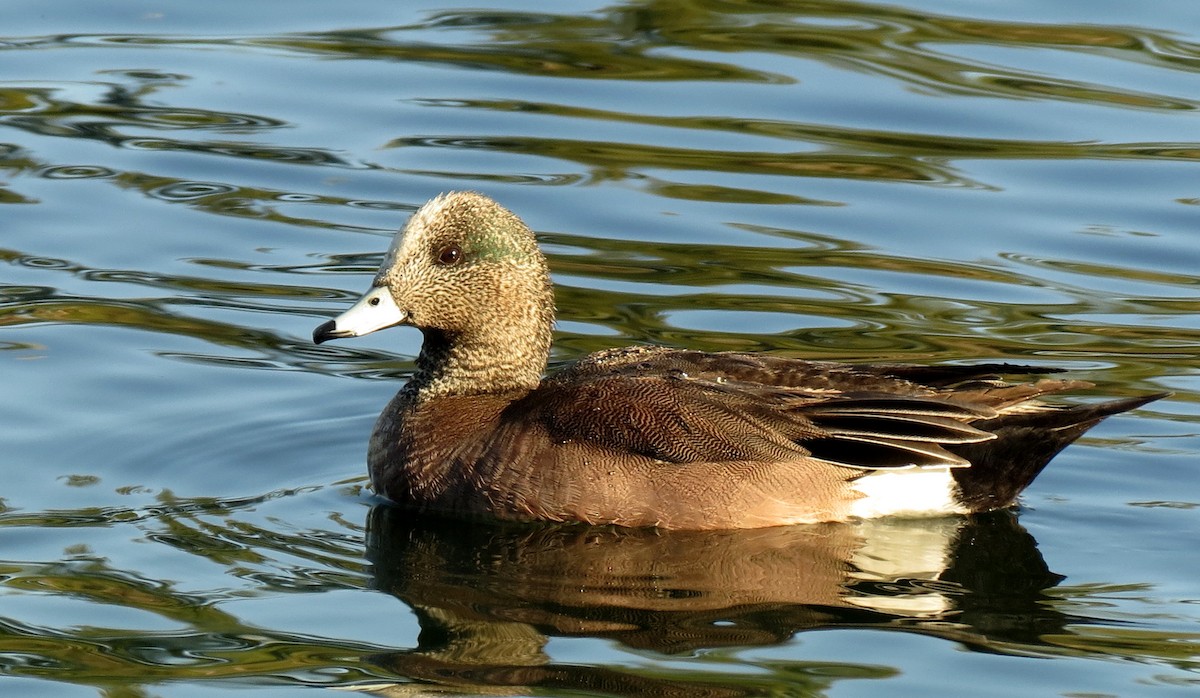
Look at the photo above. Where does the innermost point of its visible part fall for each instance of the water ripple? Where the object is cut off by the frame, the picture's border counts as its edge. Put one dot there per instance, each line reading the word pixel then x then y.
pixel 76 172
pixel 187 193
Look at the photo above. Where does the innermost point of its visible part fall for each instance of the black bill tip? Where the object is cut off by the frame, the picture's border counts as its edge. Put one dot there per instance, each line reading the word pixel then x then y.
pixel 325 332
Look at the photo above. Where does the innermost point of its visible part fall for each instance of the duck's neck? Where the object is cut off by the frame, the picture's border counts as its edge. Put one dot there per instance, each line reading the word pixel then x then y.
pixel 484 362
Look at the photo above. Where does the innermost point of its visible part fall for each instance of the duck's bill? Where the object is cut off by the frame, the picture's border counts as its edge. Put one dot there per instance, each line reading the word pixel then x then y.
pixel 374 311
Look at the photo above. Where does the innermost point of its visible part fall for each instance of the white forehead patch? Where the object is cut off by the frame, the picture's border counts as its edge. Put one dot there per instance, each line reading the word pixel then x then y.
pixel 423 218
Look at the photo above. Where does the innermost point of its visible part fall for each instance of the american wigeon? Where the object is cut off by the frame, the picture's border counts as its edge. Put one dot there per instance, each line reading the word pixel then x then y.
pixel 650 436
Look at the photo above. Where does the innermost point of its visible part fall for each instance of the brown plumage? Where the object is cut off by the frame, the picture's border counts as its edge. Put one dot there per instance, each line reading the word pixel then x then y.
pixel 648 436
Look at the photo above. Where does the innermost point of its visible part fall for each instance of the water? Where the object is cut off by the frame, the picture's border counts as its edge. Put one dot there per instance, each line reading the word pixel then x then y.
pixel 186 193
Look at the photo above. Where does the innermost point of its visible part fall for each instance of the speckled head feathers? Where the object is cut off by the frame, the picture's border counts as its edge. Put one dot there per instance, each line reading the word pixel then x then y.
pixel 458 260
pixel 469 274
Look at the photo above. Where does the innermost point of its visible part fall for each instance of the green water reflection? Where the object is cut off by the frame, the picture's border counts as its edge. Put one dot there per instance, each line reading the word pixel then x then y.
pixel 489 598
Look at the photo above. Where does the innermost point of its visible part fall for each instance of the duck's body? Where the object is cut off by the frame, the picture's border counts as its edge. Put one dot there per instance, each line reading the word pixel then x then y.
pixel 658 437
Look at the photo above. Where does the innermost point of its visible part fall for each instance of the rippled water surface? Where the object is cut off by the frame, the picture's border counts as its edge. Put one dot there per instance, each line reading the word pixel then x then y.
pixel 187 190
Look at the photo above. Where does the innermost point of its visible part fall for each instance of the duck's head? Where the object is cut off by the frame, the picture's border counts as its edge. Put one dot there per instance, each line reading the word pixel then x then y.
pixel 469 274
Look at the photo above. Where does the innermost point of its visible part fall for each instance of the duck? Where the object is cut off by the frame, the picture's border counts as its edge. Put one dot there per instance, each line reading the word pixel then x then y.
pixel 652 436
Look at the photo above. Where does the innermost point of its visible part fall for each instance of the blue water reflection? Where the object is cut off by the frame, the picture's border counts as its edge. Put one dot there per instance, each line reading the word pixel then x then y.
pixel 186 192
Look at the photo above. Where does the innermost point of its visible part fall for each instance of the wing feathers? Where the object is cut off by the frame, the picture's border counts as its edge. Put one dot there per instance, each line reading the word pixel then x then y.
pixel 678 418
pixel 897 405
pixel 901 426
pixel 688 407
pixel 875 453
pixel 885 432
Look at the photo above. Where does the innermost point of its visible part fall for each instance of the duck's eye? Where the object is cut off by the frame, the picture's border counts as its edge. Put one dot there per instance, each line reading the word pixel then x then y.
pixel 373 301
pixel 450 255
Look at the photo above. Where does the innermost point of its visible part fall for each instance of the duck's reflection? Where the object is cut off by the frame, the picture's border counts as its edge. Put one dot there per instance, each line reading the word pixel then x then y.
pixel 489 597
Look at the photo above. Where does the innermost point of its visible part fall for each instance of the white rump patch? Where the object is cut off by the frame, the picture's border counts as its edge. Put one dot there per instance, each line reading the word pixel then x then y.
pixel 906 492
